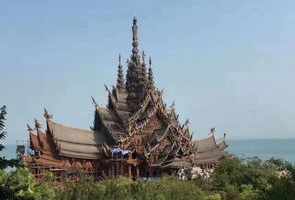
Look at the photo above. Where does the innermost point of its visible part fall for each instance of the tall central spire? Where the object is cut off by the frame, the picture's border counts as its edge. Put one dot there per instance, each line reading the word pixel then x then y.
pixel 136 77
pixel 135 41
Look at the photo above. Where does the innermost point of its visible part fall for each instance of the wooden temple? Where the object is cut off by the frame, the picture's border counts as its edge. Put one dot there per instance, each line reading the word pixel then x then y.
pixel 135 135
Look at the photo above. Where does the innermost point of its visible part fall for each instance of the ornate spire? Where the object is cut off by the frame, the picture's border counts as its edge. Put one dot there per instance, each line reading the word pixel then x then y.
pixel 135 42
pixel 143 69
pixel 136 77
pixel 143 57
pixel 150 75
pixel 120 78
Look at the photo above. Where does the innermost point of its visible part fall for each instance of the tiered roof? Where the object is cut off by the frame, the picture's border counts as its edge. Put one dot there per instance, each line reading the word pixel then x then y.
pixel 208 150
pixel 77 143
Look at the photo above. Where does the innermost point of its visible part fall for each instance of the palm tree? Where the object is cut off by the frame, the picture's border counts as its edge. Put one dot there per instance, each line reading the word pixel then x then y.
pixel 3 161
pixel 2 125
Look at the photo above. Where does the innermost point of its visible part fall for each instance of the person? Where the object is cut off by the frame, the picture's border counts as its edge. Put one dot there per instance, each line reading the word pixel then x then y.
pixel 181 174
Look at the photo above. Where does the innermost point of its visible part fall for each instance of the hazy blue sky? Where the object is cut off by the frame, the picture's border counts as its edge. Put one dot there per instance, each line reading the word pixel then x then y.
pixel 227 64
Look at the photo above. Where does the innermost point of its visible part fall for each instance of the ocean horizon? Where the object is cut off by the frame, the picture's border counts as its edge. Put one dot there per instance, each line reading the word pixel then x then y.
pixel 263 148
pixel 243 148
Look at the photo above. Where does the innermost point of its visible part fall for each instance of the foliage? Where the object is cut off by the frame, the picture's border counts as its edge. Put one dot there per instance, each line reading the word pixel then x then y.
pixel 4 163
pixel 21 185
pixel 233 179
pixel 249 193
pixel 166 188
pixel 254 179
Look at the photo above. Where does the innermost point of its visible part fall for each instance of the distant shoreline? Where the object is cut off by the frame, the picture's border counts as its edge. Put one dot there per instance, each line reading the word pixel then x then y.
pixel 250 139
pixel 228 139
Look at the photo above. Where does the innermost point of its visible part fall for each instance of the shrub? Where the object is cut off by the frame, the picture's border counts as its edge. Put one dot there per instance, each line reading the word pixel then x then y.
pixel 166 188
pixel 232 180
pixel 21 185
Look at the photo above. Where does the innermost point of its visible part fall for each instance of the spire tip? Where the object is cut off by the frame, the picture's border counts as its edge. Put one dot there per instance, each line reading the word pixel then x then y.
pixel 150 61
pixel 119 59
pixel 134 20
pixel 135 39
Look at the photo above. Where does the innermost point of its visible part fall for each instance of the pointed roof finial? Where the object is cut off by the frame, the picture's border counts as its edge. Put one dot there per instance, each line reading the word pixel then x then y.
pixel 186 123
pixel 212 130
pixel 143 57
pixel 37 125
pixel 93 101
pixel 46 114
pixel 172 106
pixel 29 127
pixel 151 75
pixel 120 59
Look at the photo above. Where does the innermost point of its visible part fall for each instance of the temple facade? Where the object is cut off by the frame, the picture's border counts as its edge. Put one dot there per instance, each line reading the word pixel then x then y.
pixel 135 135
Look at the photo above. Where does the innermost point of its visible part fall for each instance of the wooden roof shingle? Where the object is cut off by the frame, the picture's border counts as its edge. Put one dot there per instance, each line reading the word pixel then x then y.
pixel 77 143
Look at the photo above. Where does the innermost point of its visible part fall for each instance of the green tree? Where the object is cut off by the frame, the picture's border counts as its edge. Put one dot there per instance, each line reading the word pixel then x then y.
pixel 21 185
pixel 3 161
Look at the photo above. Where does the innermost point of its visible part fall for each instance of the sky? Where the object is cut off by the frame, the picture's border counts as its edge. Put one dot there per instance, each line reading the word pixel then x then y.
pixel 226 64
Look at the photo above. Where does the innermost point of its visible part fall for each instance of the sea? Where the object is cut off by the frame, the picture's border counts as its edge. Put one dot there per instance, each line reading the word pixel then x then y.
pixel 261 148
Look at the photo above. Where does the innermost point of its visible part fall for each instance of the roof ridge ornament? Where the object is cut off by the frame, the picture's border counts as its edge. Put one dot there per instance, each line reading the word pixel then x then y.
pixel 93 101
pixel 107 89
pixel 172 106
pixel 37 124
pixel 47 115
pixel 187 122
pixel 212 131
pixel 29 128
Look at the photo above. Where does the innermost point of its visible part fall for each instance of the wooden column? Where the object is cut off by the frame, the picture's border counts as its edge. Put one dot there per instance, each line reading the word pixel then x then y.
pixel 114 169
pixel 122 168
pixel 130 171
pixel 110 171
pixel 137 171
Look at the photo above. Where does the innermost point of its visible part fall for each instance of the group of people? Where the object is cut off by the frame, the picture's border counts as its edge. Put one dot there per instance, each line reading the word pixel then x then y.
pixel 193 173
